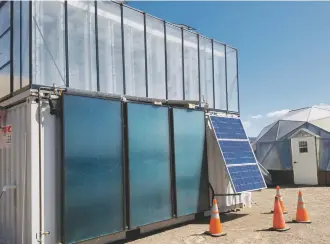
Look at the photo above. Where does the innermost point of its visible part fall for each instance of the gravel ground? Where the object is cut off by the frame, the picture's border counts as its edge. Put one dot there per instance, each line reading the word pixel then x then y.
pixel 249 225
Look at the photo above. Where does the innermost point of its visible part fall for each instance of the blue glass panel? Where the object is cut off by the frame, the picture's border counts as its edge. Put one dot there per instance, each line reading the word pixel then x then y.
pixel 284 151
pixel 149 164
pixel 237 152
pixel 228 128
pixel 92 168
pixel 246 178
pixel 190 169
pixel 324 154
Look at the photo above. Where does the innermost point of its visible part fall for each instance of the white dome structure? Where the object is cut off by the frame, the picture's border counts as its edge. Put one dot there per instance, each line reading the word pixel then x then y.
pixel 275 148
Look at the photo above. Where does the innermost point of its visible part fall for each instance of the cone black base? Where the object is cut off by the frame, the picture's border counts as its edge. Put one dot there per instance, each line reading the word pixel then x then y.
pixel 283 212
pixel 279 230
pixel 215 235
pixel 302 222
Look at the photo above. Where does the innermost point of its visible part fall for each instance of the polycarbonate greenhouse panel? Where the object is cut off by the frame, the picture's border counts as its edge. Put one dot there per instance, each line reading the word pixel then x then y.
pixel 206 75
pixel 286 127
pixel 135 76
pixel 93 192
pixel 149 163
pixel 232 78
pixel 270 135
pixel 116 49
pixel 156 57
pixel 239 159
pixel 190 166
pixel 174 62
pixel 219 66
pixel 284 151
pixel 324 154
pixel 190 54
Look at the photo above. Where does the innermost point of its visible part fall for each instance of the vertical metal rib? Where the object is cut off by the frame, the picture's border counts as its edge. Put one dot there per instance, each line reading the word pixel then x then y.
pixel 123 45
pixel 227 105
pixel 145 52
pixel 213 74
pixel 97 48
pixel 165 50
pixel 183 86
pixel 66 43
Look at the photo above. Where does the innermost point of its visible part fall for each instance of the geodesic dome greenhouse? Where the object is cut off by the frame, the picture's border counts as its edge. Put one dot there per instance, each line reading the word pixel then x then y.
pixel 273 146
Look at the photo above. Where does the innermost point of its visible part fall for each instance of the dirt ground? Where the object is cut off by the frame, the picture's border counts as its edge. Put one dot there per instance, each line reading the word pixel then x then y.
pixel 249 225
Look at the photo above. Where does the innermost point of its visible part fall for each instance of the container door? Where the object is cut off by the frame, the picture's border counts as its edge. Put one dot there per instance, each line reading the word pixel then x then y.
pixel 304 160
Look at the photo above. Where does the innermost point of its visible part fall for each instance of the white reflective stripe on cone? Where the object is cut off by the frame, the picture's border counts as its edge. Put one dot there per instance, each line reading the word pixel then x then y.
pixel 215 208
pixel 301 203
pixel 215 215
pixel 277 192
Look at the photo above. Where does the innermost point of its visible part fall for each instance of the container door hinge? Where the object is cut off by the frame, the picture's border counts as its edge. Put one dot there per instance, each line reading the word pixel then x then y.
pixel 41 234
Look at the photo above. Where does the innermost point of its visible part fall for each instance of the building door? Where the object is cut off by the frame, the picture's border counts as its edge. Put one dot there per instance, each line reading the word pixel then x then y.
pixel 303 150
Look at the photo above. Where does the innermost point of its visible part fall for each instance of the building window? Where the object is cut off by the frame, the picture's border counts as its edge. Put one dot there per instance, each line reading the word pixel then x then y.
pixel 303 147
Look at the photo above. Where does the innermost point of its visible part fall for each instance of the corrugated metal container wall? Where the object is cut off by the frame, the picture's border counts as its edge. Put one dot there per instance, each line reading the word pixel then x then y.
pixel 14 210
pixel 19 166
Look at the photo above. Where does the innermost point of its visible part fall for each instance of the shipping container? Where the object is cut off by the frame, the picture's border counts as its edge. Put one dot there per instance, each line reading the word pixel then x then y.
pixel 94 103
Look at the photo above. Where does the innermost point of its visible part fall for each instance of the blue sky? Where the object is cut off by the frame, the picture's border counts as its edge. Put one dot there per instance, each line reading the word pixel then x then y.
pixel 284 50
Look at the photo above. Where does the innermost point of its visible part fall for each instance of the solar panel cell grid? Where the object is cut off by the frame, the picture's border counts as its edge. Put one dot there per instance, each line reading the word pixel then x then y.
pixel 228 128
pixel 246 177
pixel 237 152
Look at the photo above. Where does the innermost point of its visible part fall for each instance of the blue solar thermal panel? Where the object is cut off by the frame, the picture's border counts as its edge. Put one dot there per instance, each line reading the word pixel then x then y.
pixel 228 128
pixel 237 152
pixel 246 178
pixel 149 164
pixel 92 168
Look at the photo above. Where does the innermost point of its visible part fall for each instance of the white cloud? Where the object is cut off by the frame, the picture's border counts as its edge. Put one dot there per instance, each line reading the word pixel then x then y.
pixel 277 114
pixel 259 116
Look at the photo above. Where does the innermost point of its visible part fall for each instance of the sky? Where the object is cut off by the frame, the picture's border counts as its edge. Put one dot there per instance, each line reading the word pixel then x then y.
pixel 284 50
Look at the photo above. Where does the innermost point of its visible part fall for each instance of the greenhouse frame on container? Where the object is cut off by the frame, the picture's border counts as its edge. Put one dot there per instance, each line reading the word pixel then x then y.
pixel 73 44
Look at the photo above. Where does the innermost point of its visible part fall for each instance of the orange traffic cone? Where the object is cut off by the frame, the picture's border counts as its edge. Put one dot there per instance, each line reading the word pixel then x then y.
pixel 301 214
pixel 278 217
pixel 215 224
pixel 278 194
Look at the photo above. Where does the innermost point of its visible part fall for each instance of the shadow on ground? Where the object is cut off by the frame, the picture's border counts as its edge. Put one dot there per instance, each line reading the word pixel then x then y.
pixel 295 186
pixel 225 217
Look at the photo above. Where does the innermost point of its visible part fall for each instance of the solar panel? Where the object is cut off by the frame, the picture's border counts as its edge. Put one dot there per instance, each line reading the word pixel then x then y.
pixel 228 128
pixel 238 156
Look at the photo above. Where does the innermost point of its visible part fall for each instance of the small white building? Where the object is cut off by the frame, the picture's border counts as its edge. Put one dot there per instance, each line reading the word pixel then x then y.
pixel 296 148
